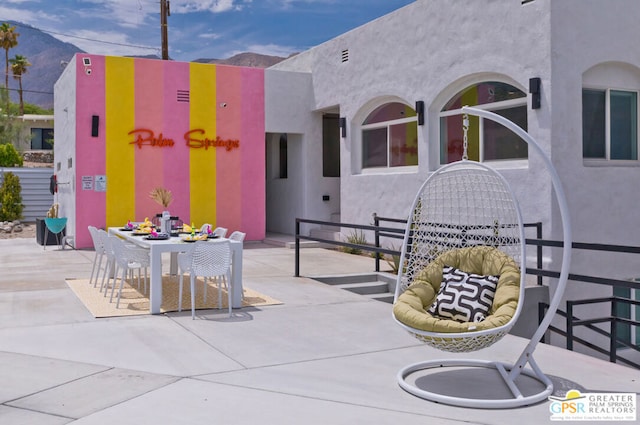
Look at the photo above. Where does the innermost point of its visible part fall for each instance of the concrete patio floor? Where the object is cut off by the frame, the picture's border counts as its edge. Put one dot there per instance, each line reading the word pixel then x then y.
pixel 324 356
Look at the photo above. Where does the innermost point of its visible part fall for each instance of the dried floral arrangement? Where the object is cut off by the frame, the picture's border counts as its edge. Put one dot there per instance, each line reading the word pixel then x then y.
pixel 162 196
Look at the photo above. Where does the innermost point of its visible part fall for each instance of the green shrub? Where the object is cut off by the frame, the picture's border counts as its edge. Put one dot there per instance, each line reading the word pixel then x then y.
pixel 9 156
pixel 10 198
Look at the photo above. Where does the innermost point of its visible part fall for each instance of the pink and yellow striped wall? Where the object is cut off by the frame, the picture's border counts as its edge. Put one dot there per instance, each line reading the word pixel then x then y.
pixel 176 112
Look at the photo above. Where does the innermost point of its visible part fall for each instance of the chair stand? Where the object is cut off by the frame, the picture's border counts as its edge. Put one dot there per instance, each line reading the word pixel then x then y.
pixel 506 371
pixel 55 225
pixel 68 240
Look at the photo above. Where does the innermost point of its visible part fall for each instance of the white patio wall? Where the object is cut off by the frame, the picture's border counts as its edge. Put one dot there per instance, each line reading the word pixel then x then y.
pixel 64 99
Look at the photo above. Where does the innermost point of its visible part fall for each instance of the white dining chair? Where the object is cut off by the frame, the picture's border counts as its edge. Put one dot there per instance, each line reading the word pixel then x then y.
pixel 220 232
pixel 184 261
pixel 98 246
pixel 237 236
pixel 110 260
pixel 184 266
pixel 211 259
pixel 128 259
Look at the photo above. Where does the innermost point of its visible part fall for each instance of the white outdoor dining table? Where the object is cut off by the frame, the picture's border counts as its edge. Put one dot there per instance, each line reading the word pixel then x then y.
pixel 174 245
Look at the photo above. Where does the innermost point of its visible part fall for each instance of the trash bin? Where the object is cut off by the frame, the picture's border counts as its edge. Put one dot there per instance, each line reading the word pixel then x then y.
pixel 51 237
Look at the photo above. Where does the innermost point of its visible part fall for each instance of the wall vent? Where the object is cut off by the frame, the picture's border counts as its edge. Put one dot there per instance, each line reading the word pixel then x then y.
pixel 345 55
pixel 183 96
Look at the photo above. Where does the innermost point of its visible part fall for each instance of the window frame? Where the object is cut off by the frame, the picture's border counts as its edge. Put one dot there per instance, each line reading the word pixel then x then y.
pixel 491 107
pixel 387 125
pixel 631 334
pixel 607 160
pixel 42 131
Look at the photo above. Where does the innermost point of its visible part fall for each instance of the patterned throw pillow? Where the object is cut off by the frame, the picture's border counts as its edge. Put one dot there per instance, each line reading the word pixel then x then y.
pixel 464 297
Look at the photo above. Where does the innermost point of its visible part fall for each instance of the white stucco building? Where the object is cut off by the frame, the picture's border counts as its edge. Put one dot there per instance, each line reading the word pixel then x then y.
pixel 447 53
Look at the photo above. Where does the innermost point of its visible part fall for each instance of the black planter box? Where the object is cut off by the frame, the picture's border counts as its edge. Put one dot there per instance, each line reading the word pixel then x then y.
pixel 51 237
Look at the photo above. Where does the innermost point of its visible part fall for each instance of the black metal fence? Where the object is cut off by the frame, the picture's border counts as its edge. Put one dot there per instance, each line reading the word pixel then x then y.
pixel 615 319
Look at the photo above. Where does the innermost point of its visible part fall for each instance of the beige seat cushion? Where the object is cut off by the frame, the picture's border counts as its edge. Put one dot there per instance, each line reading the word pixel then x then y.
pixel 411 306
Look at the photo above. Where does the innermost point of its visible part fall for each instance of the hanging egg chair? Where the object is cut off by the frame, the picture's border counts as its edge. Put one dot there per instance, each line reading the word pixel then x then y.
pixel 461 279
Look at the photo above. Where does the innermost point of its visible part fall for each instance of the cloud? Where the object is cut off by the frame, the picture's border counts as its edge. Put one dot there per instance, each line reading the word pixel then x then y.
pixel 213 6
pixel 210 36
pixel 107 43
pixel 30 17
pixel 122 13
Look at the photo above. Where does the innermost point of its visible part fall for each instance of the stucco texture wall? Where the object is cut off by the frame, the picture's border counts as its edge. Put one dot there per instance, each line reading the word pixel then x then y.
pixel 194 129
pixel 429 50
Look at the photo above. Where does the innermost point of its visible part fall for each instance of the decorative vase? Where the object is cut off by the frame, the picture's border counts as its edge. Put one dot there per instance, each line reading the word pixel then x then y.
pixel 165 222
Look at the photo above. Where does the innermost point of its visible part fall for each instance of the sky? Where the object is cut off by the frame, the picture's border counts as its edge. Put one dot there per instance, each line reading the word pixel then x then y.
pixel 212 29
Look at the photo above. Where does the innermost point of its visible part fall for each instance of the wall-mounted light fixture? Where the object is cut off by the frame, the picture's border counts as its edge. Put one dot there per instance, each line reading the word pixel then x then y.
pixel 95 123
pixel 420 111
pixel 534 89
pixel 343 127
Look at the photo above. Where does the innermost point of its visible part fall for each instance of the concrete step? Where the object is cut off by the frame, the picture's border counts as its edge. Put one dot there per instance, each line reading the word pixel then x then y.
pixel 385 298
pixel 366 288
pixel 376 286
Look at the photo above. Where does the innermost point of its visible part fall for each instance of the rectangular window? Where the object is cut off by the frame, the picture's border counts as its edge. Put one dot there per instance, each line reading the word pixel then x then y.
pixel 395 145
pixel 41 138
pixel 626 332
pixel 283 157
pixel 501 143
pixel 403 140
pixel 624 125
pixel 610 124
pixel 374 147
pixel 330 146
pixel 593 124
pixel 487 140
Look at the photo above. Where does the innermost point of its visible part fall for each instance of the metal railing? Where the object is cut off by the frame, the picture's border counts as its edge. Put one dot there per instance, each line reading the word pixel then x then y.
pixel 375 249
pixel 615 342
pixel 571 321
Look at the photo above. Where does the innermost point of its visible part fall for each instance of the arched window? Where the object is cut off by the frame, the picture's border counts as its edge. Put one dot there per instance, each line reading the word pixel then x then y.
pixel 390 137
pixel 487 140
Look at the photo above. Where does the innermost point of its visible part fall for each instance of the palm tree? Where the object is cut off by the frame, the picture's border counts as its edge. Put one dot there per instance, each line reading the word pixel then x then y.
pixel 19 66
pixel 8 40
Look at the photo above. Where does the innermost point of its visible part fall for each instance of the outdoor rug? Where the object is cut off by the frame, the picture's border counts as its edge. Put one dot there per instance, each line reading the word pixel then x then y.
pixel 134 302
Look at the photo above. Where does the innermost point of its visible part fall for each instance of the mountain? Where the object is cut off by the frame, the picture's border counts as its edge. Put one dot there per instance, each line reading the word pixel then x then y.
pixel 48 57
pixel 253 60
